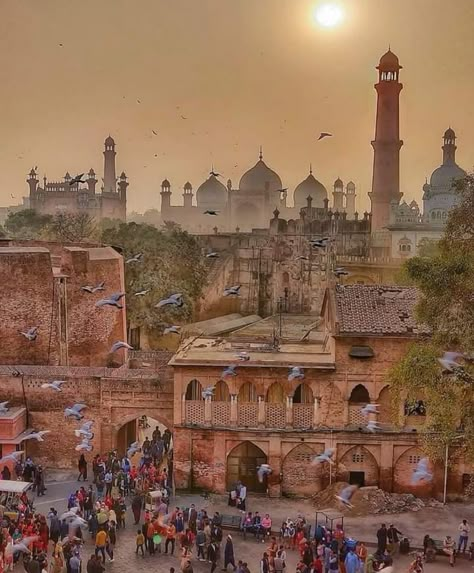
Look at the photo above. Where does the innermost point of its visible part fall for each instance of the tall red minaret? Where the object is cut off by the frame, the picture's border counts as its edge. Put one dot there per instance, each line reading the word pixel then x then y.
pixel 387 143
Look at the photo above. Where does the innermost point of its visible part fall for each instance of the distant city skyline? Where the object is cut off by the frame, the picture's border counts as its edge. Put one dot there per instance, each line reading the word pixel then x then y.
pixel 216 79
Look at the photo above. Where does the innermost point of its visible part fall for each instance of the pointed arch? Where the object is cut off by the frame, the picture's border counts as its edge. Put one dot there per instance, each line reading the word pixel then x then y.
pixel 403 470
pixel 221 392
pixel 303 394
pixel 358 466
pixel 300 476
pixel 276 394
pixel 247 393
pixel 194 390
pixel 359 395
pixel 242 463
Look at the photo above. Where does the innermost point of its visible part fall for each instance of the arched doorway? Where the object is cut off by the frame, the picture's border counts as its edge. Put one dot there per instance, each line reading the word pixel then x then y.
pixel 300 476
pixel 137 430
pixel 358 399
pixel 359 467
pixel 242 464
pixel 403 471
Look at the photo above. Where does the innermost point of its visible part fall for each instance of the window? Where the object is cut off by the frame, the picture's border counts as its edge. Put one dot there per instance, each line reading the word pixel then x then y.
pixel 414 459
pixel 358 458
pixel 194 390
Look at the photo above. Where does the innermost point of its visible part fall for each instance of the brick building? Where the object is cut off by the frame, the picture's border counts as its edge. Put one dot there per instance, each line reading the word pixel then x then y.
pixel 40 286
pixel 259 416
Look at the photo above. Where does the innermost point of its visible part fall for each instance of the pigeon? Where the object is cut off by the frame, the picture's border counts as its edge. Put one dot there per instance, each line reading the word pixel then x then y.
pixel 182 117
pixel 324 134
pixel 262 471
pixel 3 407
pixel 318 244
pixel 340 272
pixel 70 514
pixel 282 190
pixel 296 373
pixel 173 300
pixel 20 546
pixel 94 289
pixel 74 411
pixel 214 174
pixel 208 392
pixel 243 356
pixel 211 212
pixel 133 449
pixel 212 255
pixel 229 371
pixel 154 132
pixel 38 436
pixel 346 494
pixel 448 361
pixel 421 473
pixel 373 426
pixel 370 409
pixel 302 258
pixel 84 446
pixel 171 330
pixel 77 179
pixel 232 291
pixel 87 426
pixel 119 345
pixel 56 385
pixel 142 292
pixel 85 434
pixel 113 300
pixel 326 456
pixel 77 522
pixel 13 457
pixel 135 259
pixel 31 334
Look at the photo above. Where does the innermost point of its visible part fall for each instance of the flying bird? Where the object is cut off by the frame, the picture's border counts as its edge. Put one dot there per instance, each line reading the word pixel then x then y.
pixel 112 300
pixel 232 291
pixel 13 457
pixel 84 446
pixel 87 426
pixel 341 272
pixel 77 179
pixel 119 345
pixel 326 456
pixel 212 255
pixel 449 361
pixel 74 411
pixel 229 371
pixel 38 436
pixel 172 300
pixel 142 292
pixel 20 546
pixel 346 495
pixel 3 407
pixel 171 330
pixel 282 190
pixel 154 132
pixel 296 373
pixel 243 356
pixel 302 258
pixel 182 117
pixel 31 334
pixel 324 134
pixel 93 289
pixel 421 472
pixel 77 522
pixel 318 244
pixel 70 514
pixel 133 449
pixel 85 434
pixel 135 259
pixel 55 385
pixel 370 409
pixel 373 426
pixel 214 174
pixel 208 392
pixel 211 212
pixel 262 471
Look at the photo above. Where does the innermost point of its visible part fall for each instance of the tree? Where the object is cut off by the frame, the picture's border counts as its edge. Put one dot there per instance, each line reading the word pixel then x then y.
pixel 446 284
pixel 72 227
pixel 171 263
pixel 27 224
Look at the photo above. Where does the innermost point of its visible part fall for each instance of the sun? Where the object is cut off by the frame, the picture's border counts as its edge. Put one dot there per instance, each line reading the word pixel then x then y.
pixel 328 15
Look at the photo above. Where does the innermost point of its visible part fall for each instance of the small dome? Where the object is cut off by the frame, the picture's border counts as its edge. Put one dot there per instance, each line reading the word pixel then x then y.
pixel 165 184
pixel 67 177
pixel 188 186
pixel 123 176
pixel 259 177
pixel 310 187
pixel 389 62
pixel 109 142
pixel 338 183
pixel 211 194
pixel 445 175
pixel 449 134
pixel 351 186
pixel 91 172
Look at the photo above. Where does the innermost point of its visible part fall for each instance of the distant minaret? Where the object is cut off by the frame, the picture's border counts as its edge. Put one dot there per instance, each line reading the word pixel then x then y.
pixel 188 195
pixel 449 147
pixel 165 197
pixel 387 142
pixel 110 179
pixel 338 196
pixel 350 199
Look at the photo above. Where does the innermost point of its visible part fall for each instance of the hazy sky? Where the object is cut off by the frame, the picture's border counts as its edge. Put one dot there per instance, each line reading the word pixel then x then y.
pixel 244 72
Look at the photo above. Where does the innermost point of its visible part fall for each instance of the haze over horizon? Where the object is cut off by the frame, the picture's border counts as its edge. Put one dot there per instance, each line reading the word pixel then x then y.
pixel 243 74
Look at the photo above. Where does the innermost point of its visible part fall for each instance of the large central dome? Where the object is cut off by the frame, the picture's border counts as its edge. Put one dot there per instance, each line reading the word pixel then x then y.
pixel 259 178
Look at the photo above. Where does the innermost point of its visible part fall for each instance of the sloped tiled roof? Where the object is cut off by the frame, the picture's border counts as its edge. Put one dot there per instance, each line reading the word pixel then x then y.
pixel 377 310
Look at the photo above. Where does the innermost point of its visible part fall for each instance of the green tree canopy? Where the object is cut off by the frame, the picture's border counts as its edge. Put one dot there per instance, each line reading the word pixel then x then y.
pixel 445 279
pixel 27 224
pixel 171 263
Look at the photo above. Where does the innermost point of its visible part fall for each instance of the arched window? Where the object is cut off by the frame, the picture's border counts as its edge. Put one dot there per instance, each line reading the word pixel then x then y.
pixel 194 390
pixel 286 279
pixel 247 393
pixel 303 395
pixel 221 393
pixel 276 394
pixel 359 395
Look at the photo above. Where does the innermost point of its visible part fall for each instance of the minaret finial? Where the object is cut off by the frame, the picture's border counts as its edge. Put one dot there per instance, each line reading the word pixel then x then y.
pixel 260 155
pixel 310 168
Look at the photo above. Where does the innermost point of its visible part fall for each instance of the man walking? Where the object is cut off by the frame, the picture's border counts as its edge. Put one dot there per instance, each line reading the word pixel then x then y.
pixel 382 539
pixel 393 539
pixel 229 554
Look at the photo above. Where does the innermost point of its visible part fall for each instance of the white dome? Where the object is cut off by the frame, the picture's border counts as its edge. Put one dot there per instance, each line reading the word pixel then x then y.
pixel 259 178
pixel 212 194
pixel 310 187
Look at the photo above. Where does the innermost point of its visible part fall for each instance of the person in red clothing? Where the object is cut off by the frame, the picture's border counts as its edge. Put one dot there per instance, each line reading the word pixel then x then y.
pixel 317 566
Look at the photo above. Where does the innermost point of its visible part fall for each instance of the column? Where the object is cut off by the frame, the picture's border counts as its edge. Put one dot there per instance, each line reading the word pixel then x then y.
pixel 208 411
pixel 183 409
pixel 233 410
pixel 289 411
pixel 316 412
pixel 261 411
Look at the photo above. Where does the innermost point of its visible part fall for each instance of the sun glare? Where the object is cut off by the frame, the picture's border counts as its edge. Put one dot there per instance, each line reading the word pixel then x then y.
pixel 328 15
